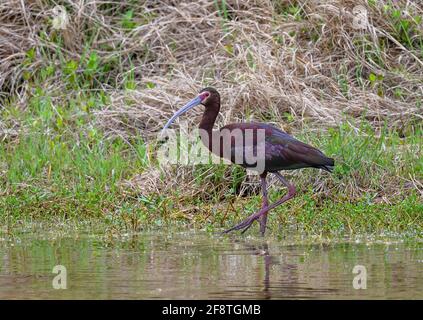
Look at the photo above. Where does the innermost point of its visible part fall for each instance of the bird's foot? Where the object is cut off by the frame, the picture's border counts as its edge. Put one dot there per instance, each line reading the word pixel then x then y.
pixel 246 224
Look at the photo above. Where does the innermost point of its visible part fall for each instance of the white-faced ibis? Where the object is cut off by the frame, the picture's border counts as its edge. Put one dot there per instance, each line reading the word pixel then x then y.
pixel 281 151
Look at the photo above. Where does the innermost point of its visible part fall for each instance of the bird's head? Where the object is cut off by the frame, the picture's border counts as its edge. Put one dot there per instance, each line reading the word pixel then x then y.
pixel 208 97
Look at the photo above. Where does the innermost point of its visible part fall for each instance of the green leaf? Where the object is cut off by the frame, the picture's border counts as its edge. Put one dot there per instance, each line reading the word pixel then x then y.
pixel 396 13
pixel 150 85
pixel 127 22
pixel 92 63
pixel 130 85
pixel 71 67
pixel 30 54
pixel 405 24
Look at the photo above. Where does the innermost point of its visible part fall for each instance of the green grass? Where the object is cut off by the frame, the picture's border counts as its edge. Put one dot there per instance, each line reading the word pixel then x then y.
pixel 62 167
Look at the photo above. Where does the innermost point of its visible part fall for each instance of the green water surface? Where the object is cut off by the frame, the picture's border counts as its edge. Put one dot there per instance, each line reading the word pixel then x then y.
pixel 197 265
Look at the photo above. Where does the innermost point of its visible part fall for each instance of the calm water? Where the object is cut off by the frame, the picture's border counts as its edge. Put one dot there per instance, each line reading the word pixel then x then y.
pixel 193 265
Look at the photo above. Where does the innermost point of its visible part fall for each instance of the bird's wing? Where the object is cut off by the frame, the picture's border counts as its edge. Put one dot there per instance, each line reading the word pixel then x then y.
pixel 279 149
pixel 293 151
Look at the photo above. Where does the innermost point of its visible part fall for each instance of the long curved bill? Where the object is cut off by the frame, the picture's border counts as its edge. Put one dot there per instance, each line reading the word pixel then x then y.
pixel 194 102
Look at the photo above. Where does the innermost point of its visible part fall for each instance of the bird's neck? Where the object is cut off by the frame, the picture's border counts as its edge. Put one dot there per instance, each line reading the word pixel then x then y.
pixel 209 117
pixel 207 123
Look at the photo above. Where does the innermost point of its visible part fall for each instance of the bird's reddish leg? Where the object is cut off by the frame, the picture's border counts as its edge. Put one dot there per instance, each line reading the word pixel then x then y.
pixel 265 203
pixel 245 225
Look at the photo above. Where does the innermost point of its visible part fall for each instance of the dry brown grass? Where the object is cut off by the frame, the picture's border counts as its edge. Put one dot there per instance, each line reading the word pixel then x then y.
pixel 255 60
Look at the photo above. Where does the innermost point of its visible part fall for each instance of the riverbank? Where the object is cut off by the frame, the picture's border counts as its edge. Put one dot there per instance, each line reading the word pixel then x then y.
pixel 84 93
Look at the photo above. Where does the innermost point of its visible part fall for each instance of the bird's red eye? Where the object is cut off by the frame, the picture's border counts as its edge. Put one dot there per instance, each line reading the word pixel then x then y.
pixel 205 95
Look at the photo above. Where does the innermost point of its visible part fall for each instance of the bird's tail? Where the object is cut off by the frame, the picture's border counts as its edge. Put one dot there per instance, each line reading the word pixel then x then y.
pixel 328 165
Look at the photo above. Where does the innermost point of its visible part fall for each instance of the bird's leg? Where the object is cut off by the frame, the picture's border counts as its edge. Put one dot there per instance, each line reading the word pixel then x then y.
pixel 247 223
pixel 265 203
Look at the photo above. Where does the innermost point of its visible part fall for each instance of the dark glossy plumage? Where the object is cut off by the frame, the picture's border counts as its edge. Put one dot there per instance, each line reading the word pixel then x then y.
pixel 281 151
